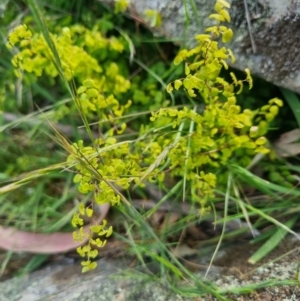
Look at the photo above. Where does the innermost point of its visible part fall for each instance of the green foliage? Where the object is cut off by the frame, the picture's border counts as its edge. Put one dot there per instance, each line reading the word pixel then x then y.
pixel 202 138
pixel 222 131
pixel 75 46
pixel 190 143
pixel 121 5
pixel 153 18
pixel 277 172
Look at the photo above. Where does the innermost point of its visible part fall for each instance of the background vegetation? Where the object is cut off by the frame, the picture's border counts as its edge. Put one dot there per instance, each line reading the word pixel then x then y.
pixel 41 117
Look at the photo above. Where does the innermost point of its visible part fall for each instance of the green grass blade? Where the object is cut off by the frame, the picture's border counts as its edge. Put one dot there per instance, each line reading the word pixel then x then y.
pixel 30 176
pixel 158 78
pixel 35 262
pixel 246 289
pixel 5 262
pixel 271 220
pixel 293 101
pixel 261 184
pixel 168 196
pixel 263 236
pixel 227 196
pixel 272 242
pixel 36 11
pixel 164 262
pixel 158 161
pixel 196 15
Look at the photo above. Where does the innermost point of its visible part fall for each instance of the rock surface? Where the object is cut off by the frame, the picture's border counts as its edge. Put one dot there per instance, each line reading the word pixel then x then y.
pixel 273 51
pixel 63 281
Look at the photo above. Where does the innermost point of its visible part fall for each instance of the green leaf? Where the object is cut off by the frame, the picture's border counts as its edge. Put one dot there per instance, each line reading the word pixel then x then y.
pixel 169 88
pixel 187 69
pixel 88 266
pixel 224 3
pixel 177 84
pixel 88 83
pixel 109 231
pixel 249 78
pixel 261 141
pixel 217 17
pixel 221 53
pixel 231 55
pixel 277 101
pixel 121 6
pixel 92 92
pixel 225 14
pixel 81 90
pixel 188 84
pixel 81 209
pixel 96 229
pixel 218 6
pixel 180 57
pixel 224 64
pixel 240 83
pixel 191 93
pixel 233 78
pixel 89 212
pixel 153 17
pixel 227 35
pixel 202 37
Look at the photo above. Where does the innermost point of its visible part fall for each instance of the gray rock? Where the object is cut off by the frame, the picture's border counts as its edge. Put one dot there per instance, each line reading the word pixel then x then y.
pixel 63 281
pixel 273 53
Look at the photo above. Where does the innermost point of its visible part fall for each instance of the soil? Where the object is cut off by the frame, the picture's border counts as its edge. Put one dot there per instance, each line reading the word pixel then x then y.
pixel 281 264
